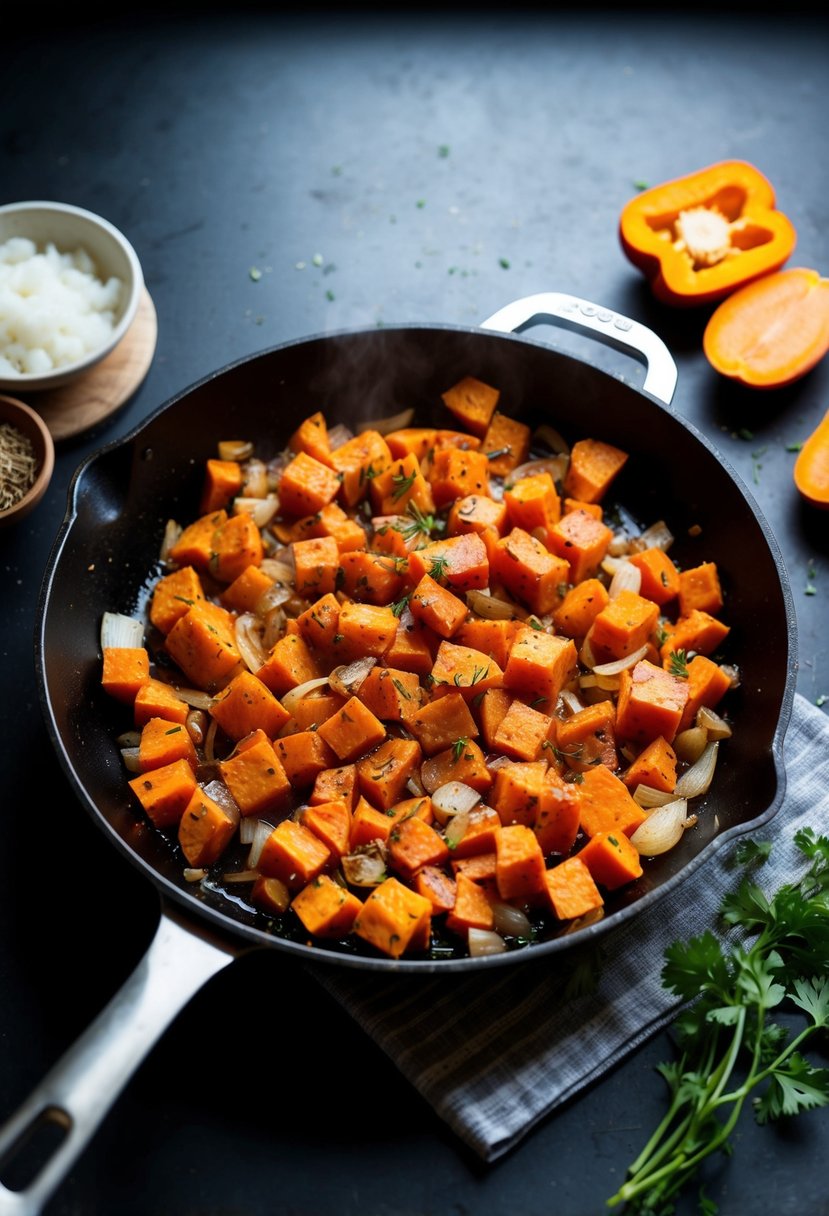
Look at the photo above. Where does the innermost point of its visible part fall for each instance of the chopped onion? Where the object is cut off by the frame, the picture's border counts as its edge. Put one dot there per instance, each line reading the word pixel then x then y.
pixel 365 868
pixel 415 786
pixel 194 875
pixel 279 570
pixel 196 725
pixel 235 449
pixel 554 440
pixel 119 632
pixel 255 479
pixel 556 466
pixel 384 426
pixel 293 695
pixel 452 798
pixel 346 680
pixel 716 726
pixel 232 876
pixel 619 665
pixel 483 942
pixel 279 592
pixel 130 738
pixel 338 435
pixel 618 547
pixel 511 921
pixel 248 632
pixel 662 829
pixel 261 832
pixel 626 578
pixel 261 510
pixel 657 536
pixel 218 792
pixel 698 778
pixel 172 531
pixel 456 828
pixel 732 672
pixel 586 656
pixel 490 607
pixel 194 697
pixel 210 741
pixel 131 759
pixel 690 744
pixel 649 798
pixel 273 625
pixel 570 701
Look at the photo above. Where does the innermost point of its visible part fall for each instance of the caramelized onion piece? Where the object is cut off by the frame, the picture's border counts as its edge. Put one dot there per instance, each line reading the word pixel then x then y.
pixel 483 942
pixel 662 829
pixel 698 779
pixel 346 680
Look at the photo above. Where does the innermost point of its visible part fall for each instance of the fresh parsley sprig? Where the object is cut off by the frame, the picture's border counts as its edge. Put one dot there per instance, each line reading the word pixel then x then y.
pixel 731 1050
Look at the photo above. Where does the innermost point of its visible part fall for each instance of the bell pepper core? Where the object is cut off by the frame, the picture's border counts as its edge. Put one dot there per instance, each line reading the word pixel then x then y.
pixel 698 238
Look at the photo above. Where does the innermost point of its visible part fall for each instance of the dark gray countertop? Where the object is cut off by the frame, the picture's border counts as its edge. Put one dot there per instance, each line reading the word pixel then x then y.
pixel 377 168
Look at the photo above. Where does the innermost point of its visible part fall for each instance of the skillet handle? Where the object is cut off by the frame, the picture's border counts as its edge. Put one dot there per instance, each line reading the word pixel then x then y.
pixel 611 328
pixel 80 1089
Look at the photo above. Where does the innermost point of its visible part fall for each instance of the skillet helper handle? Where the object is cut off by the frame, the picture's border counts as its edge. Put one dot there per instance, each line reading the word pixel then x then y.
pixel 79 1090
pixel 611 328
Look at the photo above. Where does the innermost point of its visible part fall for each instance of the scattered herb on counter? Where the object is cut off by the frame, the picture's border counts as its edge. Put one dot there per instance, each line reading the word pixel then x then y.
pixel 329 295
pixel 421 203
pixel 640 185
pixel 503 263
pixel 255 273
pixel 443 151
pixel 731 1050
pixel 744 433
pixel 794 447
pixel 757 464
pixel 317 259
pixel 821 700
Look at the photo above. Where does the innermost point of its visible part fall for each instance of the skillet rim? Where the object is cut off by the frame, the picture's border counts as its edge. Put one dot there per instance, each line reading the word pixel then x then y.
pixel 234 934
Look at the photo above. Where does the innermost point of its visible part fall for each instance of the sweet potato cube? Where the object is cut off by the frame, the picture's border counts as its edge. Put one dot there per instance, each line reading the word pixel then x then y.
pixel 437 886
pixel 699 587
pixel 271 895
pixel 482 828
pixel 245 705
pixel 622 626
pixel 660 577
pixel 655 766
pixel 325 908
pixel 370 578
pixel 459 562
pixel 383 776
pixel 533 502
pixel 165 792
pixel 312 710
pixel 606 804
pixel 256 779
pixel 369 823
pixel 162 742
pixel 357 461
pixel 203 644
pixel 522 731
pixel 698 631
pixel 352 731
pixel 472 404
pixel 395 919
pixel 222 482
pixel 334 785
pixel 507 433
pixel 319 624
pixel 367 629
pixel 417 439
pixel 437 607
pixel 414 843
pixel 588 737
pixel 315 565
pixel 465 762
pixel 490 709
pixel 205 829
pixel 540 665
pixel 476 513
pixel 462 668
pixel 307 485
pixel 580 607
pixel 572 890
pixel 413 648
pixel 156 699
pixel 392 695
pixel 194 546
pixel 516 791
pixel 529 571
pixel 173 595
pixel 593 467
pixel 399 484
pixel 457 473
pixel 472 908
pixel 557 818
pixel 311 436
pixel 303 755
pixel 438 724
pixel 331 822
pixel 246 590
pixel 237 544
pixel 519 863
pixel 479 867
pixel 611 859
pixel 707 685
pixel 582 541
pixel 293 854
pixel 651 702
pixel 291 662
pixel 490 637
pixel 125 670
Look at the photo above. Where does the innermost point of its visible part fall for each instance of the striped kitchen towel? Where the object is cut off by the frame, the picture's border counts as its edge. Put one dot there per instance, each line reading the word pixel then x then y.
pixel 494 1052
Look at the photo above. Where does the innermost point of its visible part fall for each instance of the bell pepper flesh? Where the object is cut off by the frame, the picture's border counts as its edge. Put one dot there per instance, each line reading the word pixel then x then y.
pixel 698 238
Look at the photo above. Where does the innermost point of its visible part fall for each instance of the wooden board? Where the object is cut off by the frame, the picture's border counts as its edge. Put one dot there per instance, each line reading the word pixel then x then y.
pixel 105 388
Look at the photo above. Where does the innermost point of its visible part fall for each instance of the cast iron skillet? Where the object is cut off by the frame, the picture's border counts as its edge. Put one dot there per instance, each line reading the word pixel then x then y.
pixel 121 499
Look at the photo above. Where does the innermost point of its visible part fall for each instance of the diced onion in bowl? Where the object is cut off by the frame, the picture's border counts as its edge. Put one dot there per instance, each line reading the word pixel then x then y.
pixel 698 778
pixel 119 631
pixel 484 941
pixel 235 449
pixel 196 698
pixel 553 439
pixel 452 798
pixel 570 701
pixel 662 829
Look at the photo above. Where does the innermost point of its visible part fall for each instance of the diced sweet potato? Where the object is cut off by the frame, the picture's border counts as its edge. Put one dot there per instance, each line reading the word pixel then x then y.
pixel 606 805
pixel 655 766
pixel 572 889
pixel 165 792
pixel 439 723
pixel 650 704
pixel 472 403
pixel 472 908
pixel 203 644
pixel 394 919
pixel 383 776
pixel 125 670
pixel 326 909
pixel 331 822
pixel 205 829
pixel 293 854
pixel 519 865
pixel 593 467
pixel 245 705
pixel 172 595
pixel 163 742
pixel 352 731
pixel 540 665
pixel 611 859
pixel 255 778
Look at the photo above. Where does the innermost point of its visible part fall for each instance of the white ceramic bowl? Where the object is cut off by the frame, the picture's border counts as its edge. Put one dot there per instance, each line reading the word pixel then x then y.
pixel 70 228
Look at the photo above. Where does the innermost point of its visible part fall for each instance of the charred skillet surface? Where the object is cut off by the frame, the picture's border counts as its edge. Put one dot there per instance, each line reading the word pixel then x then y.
pixel 121 498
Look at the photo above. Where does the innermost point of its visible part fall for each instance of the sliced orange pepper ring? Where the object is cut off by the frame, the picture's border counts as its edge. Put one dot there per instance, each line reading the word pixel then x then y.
pixel 700 237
